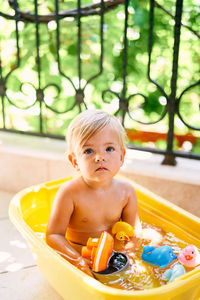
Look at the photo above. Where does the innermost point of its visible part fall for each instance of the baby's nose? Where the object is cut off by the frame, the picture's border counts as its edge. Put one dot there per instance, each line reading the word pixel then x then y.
pixel 99 157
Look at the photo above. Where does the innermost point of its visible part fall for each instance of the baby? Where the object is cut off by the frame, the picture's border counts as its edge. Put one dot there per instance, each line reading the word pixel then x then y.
pixel 95 200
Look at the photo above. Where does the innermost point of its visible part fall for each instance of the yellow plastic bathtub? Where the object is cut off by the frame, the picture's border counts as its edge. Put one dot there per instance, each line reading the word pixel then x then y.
pixel 29 211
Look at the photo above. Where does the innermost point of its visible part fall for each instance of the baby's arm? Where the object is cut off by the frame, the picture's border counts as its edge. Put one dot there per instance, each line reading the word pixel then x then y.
pixel 130 211
pixel 130 215
pixel 61 212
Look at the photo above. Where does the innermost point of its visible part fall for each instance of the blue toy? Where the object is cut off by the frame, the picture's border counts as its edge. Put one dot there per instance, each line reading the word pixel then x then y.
pixel 171 274
pixel 161 256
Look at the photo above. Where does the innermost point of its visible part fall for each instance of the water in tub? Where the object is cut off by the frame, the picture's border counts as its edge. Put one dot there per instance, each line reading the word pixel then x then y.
pixel 141 275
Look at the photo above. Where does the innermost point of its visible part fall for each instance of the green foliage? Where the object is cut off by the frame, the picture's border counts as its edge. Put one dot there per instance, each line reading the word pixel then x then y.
pixel 59 91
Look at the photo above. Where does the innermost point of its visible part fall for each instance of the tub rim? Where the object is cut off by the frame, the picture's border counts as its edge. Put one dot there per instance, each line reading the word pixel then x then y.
pixel 179 283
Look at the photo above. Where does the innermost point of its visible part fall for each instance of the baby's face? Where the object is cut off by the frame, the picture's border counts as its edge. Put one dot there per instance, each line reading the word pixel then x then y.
pixel 101 156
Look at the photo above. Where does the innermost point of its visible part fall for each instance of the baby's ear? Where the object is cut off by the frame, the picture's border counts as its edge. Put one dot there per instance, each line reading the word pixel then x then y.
pixel 73 161
pixel 123 155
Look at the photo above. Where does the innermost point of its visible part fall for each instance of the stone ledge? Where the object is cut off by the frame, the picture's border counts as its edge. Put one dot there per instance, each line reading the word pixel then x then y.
pixel 29 160
pixel 148 164
pixel 136 162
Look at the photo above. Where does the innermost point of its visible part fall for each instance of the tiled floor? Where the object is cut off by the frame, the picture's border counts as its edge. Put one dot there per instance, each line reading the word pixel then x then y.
pixel 20 279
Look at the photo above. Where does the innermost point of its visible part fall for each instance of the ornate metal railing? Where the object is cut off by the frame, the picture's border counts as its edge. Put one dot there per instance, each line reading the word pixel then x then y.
pixel 79 86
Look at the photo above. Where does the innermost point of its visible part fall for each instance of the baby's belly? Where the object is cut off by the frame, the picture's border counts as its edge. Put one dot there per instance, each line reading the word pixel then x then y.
pixel 79 237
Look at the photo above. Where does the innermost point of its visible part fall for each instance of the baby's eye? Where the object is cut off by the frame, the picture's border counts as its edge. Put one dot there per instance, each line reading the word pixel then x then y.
pixel 110 149
pixel 88 151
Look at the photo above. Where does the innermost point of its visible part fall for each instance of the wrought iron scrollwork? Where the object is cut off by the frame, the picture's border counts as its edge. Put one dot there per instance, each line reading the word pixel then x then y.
pixel 172 107
pixel 87 10
pixel 178 106
pixel 124 106
pixel 79 92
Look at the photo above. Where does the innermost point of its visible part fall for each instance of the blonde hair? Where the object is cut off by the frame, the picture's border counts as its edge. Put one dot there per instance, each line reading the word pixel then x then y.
pixel 89 122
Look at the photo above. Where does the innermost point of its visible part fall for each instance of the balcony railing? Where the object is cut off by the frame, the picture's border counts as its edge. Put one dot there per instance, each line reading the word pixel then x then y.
pixel 64 62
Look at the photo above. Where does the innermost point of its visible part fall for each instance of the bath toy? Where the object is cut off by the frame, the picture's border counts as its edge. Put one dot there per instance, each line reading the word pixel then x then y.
pixel 189 256
pixel 117 269
pixel 161 256
pixel 99 250
pixel 171 274
pixel 122 231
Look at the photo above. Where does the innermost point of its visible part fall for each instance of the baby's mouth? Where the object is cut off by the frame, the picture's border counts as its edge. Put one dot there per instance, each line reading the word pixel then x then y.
pixel 101 169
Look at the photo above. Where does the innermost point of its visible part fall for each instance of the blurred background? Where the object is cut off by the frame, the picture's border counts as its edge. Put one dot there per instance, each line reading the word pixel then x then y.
pixel 136 59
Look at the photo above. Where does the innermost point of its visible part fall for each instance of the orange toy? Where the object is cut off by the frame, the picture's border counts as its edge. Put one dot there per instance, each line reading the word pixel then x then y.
pixel 99 250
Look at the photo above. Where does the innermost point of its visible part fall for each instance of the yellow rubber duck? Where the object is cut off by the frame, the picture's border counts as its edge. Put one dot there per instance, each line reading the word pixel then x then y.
pixel 122 231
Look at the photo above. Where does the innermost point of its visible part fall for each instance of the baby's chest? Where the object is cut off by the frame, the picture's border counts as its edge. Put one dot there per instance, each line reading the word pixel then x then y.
pixel 106 212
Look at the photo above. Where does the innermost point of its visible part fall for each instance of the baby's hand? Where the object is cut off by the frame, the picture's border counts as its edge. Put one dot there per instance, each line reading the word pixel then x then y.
pixel 83 265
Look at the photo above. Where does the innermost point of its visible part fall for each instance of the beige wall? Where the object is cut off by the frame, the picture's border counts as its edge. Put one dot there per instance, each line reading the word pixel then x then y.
pixel 187 196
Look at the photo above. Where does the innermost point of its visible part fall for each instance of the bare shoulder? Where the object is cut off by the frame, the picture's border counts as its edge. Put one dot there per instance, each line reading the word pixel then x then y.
pixel 68 190
pixel 70 185
pixel 125 185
